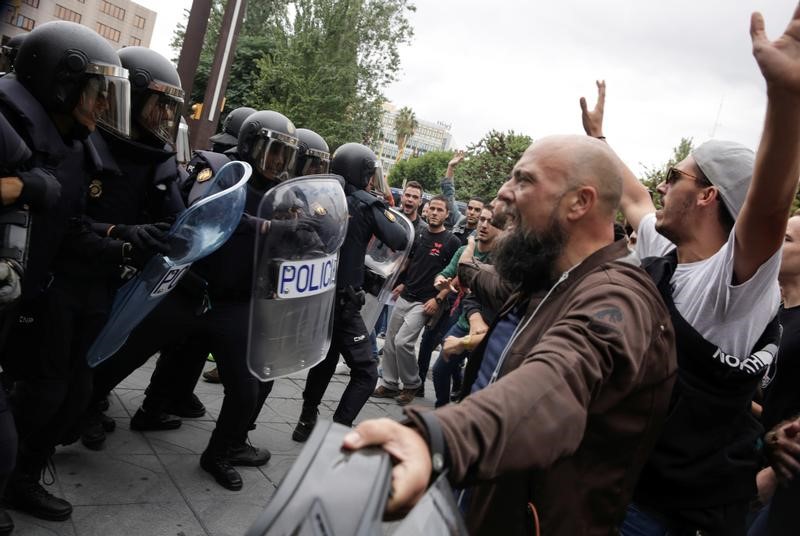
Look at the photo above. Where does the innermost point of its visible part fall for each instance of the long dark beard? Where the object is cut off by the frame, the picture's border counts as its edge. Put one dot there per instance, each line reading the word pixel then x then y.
pixel 526 260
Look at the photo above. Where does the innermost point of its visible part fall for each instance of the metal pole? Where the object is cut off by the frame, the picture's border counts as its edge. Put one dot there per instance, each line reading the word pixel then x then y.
pixel 218 78
pixel 193 44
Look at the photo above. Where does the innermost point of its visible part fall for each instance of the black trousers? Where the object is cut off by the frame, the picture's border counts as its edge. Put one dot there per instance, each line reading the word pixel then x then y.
pixel 186 337
pixel 46 356
pixel 351 340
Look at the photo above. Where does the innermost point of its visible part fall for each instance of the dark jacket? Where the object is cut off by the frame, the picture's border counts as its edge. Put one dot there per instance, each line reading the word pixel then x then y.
pixel 578 405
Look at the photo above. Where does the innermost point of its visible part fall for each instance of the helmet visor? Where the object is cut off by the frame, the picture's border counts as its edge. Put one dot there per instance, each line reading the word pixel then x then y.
pixel 273 155
pixel 105 99
pixel 315 163
pixel 380 185
pixel 160 115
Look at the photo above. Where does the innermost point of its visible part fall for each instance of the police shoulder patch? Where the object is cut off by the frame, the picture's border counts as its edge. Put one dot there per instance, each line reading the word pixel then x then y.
pixel 95 188
pixel 204 175
pixel 389 216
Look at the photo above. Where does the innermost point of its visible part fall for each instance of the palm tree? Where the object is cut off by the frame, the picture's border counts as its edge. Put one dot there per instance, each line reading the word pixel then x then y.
pixel 405 124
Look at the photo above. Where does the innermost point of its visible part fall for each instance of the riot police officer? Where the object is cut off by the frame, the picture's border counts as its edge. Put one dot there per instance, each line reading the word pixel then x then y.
pixel 8 53
pixel 313 155
pixel 67 80
pixel 369 215
pixel 214 315
pixel 135 189
pixel 228 139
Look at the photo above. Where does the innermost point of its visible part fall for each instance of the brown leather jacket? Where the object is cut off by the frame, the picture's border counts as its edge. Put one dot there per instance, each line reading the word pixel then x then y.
pixel 578 405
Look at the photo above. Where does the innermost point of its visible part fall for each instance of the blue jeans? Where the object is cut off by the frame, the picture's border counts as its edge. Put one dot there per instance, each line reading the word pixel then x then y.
pixel 444 370
pixel 638 523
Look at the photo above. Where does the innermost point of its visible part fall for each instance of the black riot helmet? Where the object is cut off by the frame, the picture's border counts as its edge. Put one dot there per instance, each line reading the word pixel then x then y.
pixel 313 155
pixel 156 94
pixel 268 142
pixel 229 137
pixel 357 164
pixel 8 52
pixel 71 70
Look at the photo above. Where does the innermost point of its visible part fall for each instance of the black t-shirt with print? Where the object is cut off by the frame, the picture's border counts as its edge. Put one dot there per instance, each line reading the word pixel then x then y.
pixel 431 253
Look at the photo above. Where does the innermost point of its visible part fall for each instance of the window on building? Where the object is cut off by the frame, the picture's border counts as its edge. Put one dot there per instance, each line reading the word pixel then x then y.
pixel 34 3
pixel 108 32
pixel 139 21
pixel 24 22
pixel 135 42
pixel 67 14
pixel 112 9
pixel 7 14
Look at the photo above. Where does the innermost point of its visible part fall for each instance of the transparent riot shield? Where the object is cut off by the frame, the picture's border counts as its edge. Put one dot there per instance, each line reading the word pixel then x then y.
pixel 381 268
pixel 199 231
pixel 294 277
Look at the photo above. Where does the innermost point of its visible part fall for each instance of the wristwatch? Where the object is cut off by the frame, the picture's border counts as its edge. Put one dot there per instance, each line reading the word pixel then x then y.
pixel 438 300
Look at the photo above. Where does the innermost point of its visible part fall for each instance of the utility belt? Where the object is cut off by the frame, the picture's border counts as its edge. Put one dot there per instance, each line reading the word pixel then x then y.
pixel 350 296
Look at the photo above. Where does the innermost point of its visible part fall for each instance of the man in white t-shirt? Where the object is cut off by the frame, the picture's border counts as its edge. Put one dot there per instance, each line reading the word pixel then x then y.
pixel 719 236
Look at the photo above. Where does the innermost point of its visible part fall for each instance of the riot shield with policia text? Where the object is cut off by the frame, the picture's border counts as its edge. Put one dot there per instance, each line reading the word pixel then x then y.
pixel 381 269
pixel 199 231
pixel 294 277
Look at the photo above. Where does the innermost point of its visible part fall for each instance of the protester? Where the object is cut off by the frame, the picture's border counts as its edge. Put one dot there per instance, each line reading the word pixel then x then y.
pixel 565 416
pixel 417 301
pixel 719 235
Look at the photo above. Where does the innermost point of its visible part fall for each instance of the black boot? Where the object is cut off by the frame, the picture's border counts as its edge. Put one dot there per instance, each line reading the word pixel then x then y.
pixel 215 461
pixel 144 421
pixel 247 455
pixel 6 523
pixel 308 418
pixel 191 408
pixel 26 494
pixel 222 471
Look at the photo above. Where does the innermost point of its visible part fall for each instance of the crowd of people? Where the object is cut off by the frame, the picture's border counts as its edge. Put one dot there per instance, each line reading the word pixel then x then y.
pixel 589 380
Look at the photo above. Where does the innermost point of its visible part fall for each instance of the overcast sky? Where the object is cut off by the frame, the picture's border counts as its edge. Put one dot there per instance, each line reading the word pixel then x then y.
pixel 673 69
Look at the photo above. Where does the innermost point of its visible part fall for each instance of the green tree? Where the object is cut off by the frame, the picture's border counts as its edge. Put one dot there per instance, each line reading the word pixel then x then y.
pixel 427 169
pixel 322 63
pixel 654 175
pixel 405 124
pixel 489 163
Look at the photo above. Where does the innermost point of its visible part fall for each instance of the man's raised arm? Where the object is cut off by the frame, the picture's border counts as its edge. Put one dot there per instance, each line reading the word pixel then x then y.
pixel 636 202
pixel 762 220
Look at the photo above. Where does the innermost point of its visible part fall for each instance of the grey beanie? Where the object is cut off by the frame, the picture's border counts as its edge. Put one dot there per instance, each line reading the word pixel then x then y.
pixel 728 166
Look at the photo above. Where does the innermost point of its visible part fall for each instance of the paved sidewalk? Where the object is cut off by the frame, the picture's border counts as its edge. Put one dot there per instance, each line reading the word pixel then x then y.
pixel 151 483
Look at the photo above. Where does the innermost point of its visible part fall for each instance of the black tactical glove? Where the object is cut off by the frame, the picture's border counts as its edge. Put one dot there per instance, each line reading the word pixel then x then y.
pixel 10 286
pixel 149 238
pixel 292 226
pixel 40 188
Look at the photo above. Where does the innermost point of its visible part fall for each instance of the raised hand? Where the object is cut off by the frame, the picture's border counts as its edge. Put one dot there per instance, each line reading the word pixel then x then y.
pixel 458 157
pixel 593 120
pixel 778 60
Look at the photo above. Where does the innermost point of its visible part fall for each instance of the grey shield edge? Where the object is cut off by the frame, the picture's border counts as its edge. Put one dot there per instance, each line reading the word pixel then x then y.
pixel 381 269
pixel 199 231
pixel 294 276
pixel 336 492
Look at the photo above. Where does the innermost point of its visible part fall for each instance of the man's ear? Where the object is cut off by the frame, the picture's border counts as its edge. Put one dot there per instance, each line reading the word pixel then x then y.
pixel 707 196
pixel 580 201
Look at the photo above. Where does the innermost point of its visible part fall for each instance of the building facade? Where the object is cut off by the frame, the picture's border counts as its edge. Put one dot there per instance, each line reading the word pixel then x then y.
pixel 121 22
pixel 429 136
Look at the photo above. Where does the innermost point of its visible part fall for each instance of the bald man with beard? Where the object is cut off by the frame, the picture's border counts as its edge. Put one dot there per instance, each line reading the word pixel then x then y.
pixel 570 387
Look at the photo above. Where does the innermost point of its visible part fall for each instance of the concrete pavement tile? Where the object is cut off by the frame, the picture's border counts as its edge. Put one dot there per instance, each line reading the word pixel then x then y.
pixel 25 525
pixel 373 411
pixel 191 438
pixel 197 486
pixel 335 390
pixel 232 516
pixel 97 479
pixel 280 410
pixel 276 437
pixel 277 467
pixel 285 388
pixel 152 519
pixel 130 399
